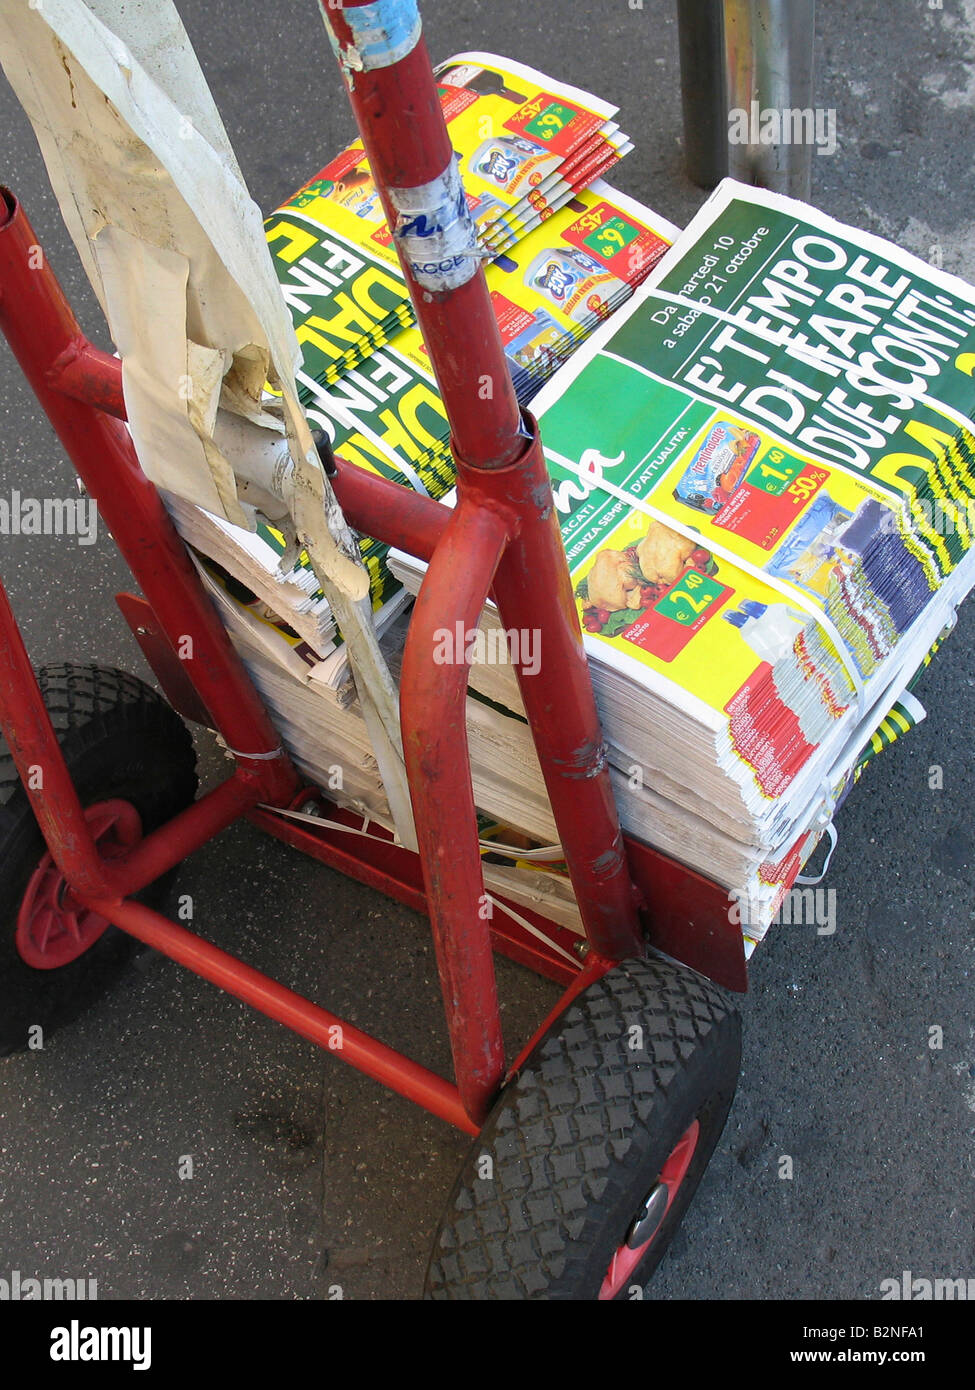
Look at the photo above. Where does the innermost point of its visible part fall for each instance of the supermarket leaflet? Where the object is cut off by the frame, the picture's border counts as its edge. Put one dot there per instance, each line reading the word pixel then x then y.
pixel 567 276
pixel 764 464
pixel 330 243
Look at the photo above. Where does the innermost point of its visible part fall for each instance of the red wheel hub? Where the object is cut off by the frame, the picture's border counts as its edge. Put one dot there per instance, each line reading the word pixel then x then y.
pixel 53 928
pixel 659 1199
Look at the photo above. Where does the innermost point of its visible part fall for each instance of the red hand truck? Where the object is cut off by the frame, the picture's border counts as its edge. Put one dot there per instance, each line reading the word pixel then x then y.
pixel 590 1143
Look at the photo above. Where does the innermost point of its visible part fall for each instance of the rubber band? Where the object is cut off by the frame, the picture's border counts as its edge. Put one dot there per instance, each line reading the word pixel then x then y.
pixel 811 358
pixel 532 930
pixel 544 854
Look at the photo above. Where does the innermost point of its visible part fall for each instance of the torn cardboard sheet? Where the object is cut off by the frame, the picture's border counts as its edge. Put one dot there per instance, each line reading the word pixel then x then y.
pixel 127 156
pixel 174 247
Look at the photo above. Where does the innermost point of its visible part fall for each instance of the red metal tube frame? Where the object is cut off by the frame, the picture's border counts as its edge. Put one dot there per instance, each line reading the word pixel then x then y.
pixel 390 513
pixel 360 1050
pixel 79 387
pixel 500 471
pixel 433 707
pixel 34 747
pixel 503 530
pixel 76 384
pixel 90 376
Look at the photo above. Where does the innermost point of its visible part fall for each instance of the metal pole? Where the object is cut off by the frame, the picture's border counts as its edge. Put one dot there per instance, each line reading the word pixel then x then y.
pixel 390 82
pixel 433 702
pixel 700 26
pixel 740 60
pixel 769 69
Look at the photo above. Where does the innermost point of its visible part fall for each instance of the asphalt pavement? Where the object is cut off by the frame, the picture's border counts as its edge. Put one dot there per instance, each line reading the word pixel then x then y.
pixel 309 1179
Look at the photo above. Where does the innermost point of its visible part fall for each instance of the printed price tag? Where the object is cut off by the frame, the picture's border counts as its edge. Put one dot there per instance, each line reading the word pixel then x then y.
pixel 550 122
pixel 614 235
pixel 753 516
pixel 774 471
pixel 689 599
pixel 623 246
pixel 665 629
pixel 553 125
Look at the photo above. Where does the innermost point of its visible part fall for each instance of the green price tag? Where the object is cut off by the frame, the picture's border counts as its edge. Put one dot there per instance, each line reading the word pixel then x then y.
pixel 611 237
pixel 774 471
pixel 550 122
pixel 690 599
pixel 320 188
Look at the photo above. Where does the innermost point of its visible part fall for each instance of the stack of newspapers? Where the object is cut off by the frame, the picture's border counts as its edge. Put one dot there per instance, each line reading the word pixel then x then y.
pixel 571 255
pixel 562 251
pixel 526 147
pixel 762 458
pixel 764 469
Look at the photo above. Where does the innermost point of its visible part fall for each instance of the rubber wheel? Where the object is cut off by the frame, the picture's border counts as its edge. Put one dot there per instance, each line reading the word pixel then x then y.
pixel 123 745
pixel 623 1099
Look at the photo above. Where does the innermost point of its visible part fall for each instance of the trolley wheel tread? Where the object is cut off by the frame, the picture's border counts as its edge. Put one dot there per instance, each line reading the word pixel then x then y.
pixel 568 1136
pixel 78 699
pixel 120 739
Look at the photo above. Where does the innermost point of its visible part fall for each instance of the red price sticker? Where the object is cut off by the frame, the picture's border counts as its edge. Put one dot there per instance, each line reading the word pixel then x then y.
pixel 763 517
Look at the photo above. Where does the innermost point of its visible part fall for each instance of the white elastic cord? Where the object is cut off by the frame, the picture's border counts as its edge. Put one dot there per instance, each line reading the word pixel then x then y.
pixel 527 926
pixel 787 590
pixel 812 358
pixel 485 844
pixel 812 879
pixel 544 854
pixel 329 824
pixel 256 757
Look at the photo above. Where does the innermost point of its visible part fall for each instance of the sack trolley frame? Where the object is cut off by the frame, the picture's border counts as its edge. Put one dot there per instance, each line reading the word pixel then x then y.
pixel 501 541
